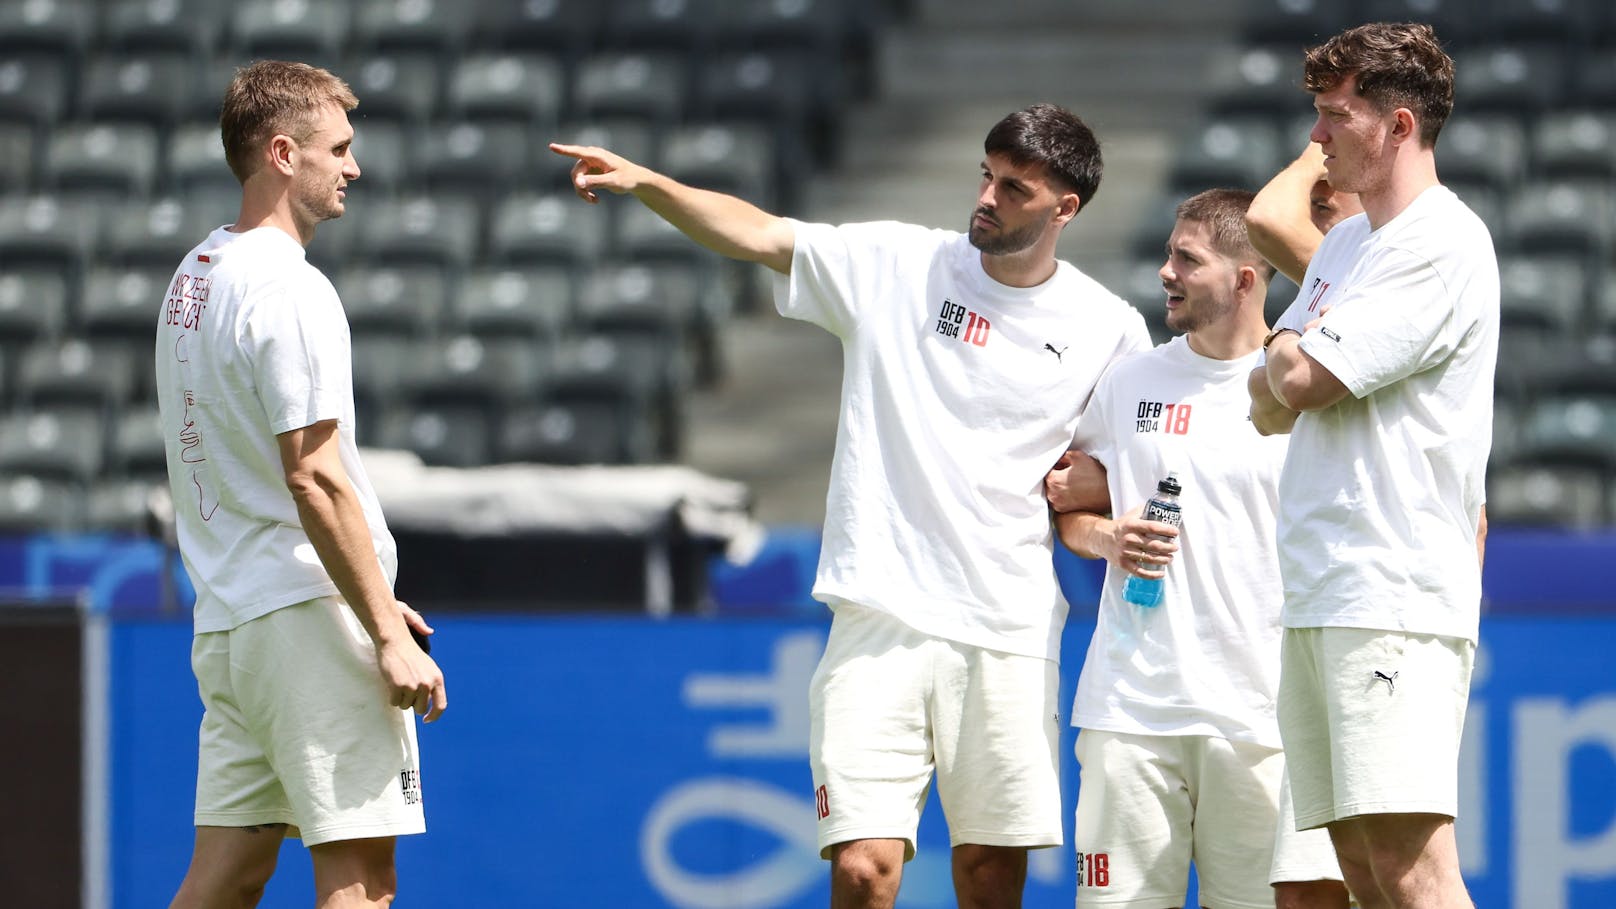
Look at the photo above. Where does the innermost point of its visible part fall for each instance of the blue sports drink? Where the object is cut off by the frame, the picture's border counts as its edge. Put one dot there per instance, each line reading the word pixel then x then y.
pixel 1163 507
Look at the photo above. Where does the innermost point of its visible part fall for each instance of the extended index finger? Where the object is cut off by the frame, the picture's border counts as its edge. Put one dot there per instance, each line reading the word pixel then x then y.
pixel 581 152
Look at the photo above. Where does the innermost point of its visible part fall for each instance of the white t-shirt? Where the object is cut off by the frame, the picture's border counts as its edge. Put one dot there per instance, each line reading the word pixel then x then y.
pixel 958 395
pixel 1382 493
pixel 252 342
pixel 1205 661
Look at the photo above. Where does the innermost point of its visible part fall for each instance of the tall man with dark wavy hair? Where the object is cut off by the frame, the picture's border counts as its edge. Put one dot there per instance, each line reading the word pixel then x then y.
pixel 1381 499
pixel 967 359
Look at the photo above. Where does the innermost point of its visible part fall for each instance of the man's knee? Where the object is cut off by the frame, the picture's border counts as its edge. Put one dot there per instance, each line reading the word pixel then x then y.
pixel 989 875
pixel 867 866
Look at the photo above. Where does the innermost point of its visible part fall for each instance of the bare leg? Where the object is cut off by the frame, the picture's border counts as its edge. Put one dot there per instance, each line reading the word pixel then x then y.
pixel 230 867
pixel 349 874
pixel 1323 894
pixel 1413 859
pixel 989 877
pixel 864 874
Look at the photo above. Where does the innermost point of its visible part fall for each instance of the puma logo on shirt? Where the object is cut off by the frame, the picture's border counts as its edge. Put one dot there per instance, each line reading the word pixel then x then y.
pixel 1058 353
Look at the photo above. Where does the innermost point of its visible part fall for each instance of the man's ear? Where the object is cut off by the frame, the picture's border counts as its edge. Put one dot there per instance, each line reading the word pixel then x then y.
pixel 1405 128
pixel 282 153
pixel 1070 203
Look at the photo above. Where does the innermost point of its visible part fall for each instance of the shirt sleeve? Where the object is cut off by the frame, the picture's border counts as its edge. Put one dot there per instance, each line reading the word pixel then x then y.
pixel 1396 319
pixel 296 338
pixel 1093 435
pixel 835 271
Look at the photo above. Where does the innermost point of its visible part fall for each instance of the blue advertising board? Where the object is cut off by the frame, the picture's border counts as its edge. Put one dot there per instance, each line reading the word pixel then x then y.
pixel 623 763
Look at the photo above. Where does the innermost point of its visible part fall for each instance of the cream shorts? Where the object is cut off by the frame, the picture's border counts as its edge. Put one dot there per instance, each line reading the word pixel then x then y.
pixel 889 706
pixel 1372 721
pixel 1300 855
pixel 1149 805
pixel 296 730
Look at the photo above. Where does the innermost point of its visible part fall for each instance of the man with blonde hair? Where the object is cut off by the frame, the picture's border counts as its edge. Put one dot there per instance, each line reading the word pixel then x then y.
pixel 304 660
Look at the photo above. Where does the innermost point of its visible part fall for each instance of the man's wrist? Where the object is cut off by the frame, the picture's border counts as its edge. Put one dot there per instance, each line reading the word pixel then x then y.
pixel 1274 335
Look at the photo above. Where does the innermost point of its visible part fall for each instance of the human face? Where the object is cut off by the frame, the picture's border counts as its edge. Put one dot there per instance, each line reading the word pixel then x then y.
pixel 1354 138
pixel 1200 283
pixel 324 166
pixel 1014 207
pixel 1327 207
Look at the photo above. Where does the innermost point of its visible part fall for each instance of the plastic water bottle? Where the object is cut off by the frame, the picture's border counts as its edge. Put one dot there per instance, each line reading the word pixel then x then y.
pixel 1163 507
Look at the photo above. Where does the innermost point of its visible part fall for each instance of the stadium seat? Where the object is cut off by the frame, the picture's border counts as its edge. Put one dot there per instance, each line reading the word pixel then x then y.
pixel 30 504
pixel 1594 77
pixel 33 88
pixel 1257 80
pixel 190 26
pixel 562 26
pixel 401 87
pixel 382 149
pixel 16 157
pixel 664 303
pixel 642 234
pixel 61 27
pixel 380 364
pixel 154 232
pixel 440 229
pixel 61 446
pixel 683 26
pixel 440 26
pixel 489 374
pixel 136 447
pixel 1509 78
pixel 526 88
pixel 634 374
pixel 644 85
pixel 117 160
pixel 43 228
pixel 1572 216
pixel 554 229
pixel 1452 19
pixel 794 95
pixel 1543 294
pixel 1558 21
pixel 147 88
pixel 123 302
pixel 1241 152
pixel 735 159
pixel 33 307
pixel 1571 429
pixel 818 26
pixel 123 506
pixel 1575 143
pixel 196 162
pixel 1507 414
pixel 401 301
pixel 1297 22
pixel 486 158
pixel 535 303
pixel 1485 149
pixel 571 433
pixel 290 29
pixel 79 375
pixel 446 436
pixel 1604 303
pixel 1527 494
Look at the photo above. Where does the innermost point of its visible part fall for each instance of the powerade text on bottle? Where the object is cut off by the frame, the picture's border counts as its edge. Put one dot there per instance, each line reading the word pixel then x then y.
pixel 1162 507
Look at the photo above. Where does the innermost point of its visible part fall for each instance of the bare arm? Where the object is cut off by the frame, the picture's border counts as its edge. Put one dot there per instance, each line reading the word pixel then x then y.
pixel 1077 483
pixel 1130 543
pixel 1298 381
pixel 1268 415
pixel 1481 539
pixel 1279 221
pixel 726 225
pixel 335 523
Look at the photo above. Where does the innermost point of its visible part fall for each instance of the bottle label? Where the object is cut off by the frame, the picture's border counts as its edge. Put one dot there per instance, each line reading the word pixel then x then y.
pixel 1164 512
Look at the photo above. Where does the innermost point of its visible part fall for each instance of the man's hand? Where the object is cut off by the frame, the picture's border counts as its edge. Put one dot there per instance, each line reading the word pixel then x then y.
pixel 1137 546
pixel 413 679
pixel 1077 483
pixel 597 168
